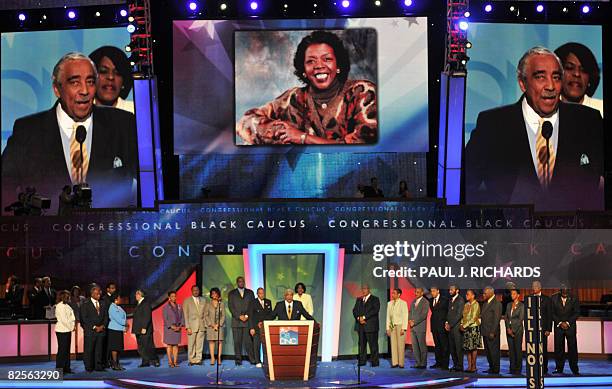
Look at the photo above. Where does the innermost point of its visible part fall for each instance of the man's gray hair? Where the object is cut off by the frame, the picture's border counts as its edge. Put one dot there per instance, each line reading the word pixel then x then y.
pixel 288 291
pixel 537 50
pixel 489 287
pixel 141 292
pixel 72 56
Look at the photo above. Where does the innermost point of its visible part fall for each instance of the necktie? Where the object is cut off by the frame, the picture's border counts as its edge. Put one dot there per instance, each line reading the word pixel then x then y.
pixel 97 307
pixel 545 169
pixel 262 303
pixel 289 311
pixel 435 301
pixel 79 169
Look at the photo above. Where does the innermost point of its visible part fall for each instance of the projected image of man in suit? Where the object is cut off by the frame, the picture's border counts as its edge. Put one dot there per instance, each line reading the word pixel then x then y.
pixel 74 142
pixel 540 150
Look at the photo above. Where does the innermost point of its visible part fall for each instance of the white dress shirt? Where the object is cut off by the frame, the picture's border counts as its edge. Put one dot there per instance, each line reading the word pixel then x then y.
pixel 287 305
pixel 532 124
pixel 65 318
pixel 65 124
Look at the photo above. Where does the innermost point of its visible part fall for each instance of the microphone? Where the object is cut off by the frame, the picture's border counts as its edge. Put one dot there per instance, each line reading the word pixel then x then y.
pixel 81 134
pixel 547 131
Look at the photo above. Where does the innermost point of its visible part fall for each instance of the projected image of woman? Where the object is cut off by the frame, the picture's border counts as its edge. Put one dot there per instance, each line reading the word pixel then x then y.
pixel 114 78
pixel 329 109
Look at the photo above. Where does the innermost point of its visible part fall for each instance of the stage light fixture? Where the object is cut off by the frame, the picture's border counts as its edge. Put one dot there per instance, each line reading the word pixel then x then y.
pixel 512 8
pixel 131 28
pixel 128 48
pixel 467 14
pixel 488 8
pixel 254 5
pixel 468 45
pixel 377 3
pixel 564 10
pixel 131 19
pixel 540 8
pixel 586 9
pixel 408 3
pixel 21 17
pixel 223 6
pixel 123 13
pixel 463 25
pixel 71 14
pixel 97 14
pixel 193 6
pixel 345 3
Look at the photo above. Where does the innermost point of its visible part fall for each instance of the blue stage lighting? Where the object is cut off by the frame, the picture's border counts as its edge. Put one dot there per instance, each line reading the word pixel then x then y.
pixel 21 17
pixel 488 8
pixel 71 14
pixel 346 3
pixel 123 13
pixel 467 14
pixel 408 3
pixel 540 8
pixel 586 9
pixel 254 5
pixel 193 6
pixel 131 28
pixel 463 25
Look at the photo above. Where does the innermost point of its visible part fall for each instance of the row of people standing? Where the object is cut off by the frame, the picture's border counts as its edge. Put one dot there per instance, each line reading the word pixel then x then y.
pixel 461 326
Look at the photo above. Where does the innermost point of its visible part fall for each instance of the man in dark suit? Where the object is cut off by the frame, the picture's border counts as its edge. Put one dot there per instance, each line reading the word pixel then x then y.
pixel 490 315
pixel 43 151
pixel 546 313
pixel 94 319
pixel 142 327
pixel 506 157
pixel 35 296
pixel 290 309
pixel 260 310
pixel 239 301
pixel 47 296
pixel 565 311
pixel 453 327
pixel 365 312
pixel 439 310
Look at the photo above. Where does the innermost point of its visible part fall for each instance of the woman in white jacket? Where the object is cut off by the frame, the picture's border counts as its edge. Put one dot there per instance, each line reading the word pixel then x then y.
pixel 63 330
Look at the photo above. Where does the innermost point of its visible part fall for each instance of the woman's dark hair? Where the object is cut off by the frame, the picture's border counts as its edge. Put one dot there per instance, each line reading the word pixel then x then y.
pixel 587 60
pixel 214 290
pixel 76 287
pixel 114 296
pixel 298 285
pixel 317 37
pixel 120 60
pixel 171 292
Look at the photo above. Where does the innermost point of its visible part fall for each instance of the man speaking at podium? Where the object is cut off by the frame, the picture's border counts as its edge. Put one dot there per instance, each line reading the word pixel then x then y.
pixel 290 309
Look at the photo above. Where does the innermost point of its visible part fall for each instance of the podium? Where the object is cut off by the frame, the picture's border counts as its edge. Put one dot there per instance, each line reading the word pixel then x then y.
pixel 290 349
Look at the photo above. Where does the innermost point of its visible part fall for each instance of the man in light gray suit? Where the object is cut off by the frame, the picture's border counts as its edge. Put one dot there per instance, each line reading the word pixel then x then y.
pixel 490 315
pixel 417 320
pixel 193 311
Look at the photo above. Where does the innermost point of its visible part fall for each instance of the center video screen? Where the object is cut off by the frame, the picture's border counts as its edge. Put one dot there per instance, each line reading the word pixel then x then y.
pixel 534 116
pixel 68 126
pixel 270 86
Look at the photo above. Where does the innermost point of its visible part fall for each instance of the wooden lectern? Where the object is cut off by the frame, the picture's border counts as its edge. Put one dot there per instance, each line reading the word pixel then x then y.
pixel 290 349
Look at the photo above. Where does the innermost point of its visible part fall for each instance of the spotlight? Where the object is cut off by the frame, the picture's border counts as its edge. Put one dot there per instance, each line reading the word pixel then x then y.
pixel 97 14
pixel 71 15
pixel 377 3
pixel 131 19
pixel 564 10
pixel 131 28
pixel 512 8
pixel 21 17
pixel 488 8
pixel 128 48
pixel 407 3
pixel 254 5
pixel 467 14
pixel 468 45
pixel 463 25
pixel 586 9
pixel 123 13
pixel 192 6
pixel 223 6
pixel 346 3
pixel 540 8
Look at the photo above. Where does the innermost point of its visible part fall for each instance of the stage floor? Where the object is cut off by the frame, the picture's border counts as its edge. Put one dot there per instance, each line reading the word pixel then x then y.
pixel 337 374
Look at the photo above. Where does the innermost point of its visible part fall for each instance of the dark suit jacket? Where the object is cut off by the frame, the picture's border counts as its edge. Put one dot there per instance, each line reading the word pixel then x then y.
pixel 297 311
pixel 438 314
pixel 514 320
pixel 546 312
pixel 34 156
pixel 490 315
pixel 455 311
pixel 47 299
pixel 239 305
pixel 37 304
pixel 370 310
pixel 258 313
pixel 499 167
pixel 142 318
pixel 568 313
pixel 90 318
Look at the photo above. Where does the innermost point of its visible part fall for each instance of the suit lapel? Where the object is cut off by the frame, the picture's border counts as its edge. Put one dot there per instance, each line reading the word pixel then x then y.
pixel 524 159
pixel 564 140
pixel 53 144
pixel 98 133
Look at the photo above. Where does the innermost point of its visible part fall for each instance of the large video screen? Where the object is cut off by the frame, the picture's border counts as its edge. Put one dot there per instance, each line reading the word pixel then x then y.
pixel 534 116
pixel 315 85
pixel 68 127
